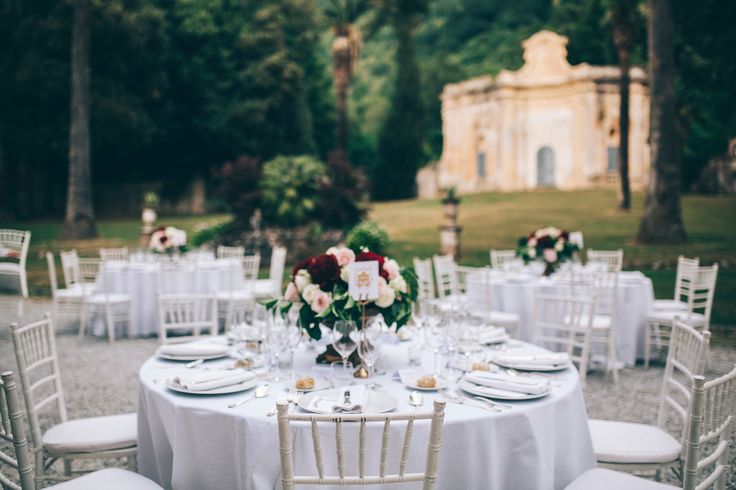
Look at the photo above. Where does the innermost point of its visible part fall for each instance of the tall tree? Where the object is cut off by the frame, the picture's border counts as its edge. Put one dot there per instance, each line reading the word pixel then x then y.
pixel 662 219
pixel 79 222
pixel 341 16
pixel 623 23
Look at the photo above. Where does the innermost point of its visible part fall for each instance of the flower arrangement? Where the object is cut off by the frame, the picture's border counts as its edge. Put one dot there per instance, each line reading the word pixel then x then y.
pixel 319 288
pixel 550 245
pixel 168 240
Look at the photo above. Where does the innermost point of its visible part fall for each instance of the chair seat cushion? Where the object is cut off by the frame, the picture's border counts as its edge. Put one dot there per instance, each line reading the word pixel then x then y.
pixel 503 317
pixel 238 295
pixel 668 316
pixel 669 304
pixel 92 434
pixel 604 479
pixel 108 479
pixel 624 442
pixel 9 267
pixel 264 288
pixel 101 298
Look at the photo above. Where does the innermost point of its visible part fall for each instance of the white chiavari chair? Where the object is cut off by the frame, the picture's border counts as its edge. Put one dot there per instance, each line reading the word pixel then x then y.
pixel 271 287
pixel 114 307
pixel 186 315
pixel 239 294
pixel 14 244
pixel 448 288
pixel 104 437
pixel 225 252
pixel 428 476
pixel 643 447
pixel 425 278
pixel 118 254
pixel 251 265
pixel 482 294
pixel 500 258
pixel 565 324
pixel 13 431
pixel 687 271
pixel 699 307
pixel 463 272
pixel 576 238
pixel 710 430
pixel 612 259
pixel 66 301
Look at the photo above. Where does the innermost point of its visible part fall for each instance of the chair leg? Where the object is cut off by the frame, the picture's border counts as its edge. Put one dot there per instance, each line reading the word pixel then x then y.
pixel 110 320
pixel 130 319
pixel 83 320
pixel 647 344
pixel 611 358
pixel 23 284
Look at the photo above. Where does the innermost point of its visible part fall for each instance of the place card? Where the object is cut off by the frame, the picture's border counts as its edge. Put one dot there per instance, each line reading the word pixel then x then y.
pixel 363 280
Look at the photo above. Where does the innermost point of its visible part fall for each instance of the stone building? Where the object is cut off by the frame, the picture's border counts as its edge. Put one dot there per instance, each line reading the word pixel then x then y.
pixel 549 124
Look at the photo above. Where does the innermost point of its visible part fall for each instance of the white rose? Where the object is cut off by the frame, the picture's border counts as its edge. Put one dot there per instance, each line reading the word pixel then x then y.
pixel 554 232
pixel 560 245
pixel 345 274
pixel 392 267
pixel 532 242
pixel 386 295
pixel 302 279
pixel 310 291
pixel 343 255
pixel 398 284
pixel 532 253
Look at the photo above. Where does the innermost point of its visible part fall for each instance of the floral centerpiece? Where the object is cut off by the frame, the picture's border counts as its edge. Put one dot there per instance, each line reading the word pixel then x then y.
pixel 550 245
pixel 319 289
pixel 168 240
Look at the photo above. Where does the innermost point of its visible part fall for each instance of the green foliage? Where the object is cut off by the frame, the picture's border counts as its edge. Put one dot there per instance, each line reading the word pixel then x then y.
pixel 343 193
pixel 210 234
pixel 238 185
pixel 368 235
pixel 290 187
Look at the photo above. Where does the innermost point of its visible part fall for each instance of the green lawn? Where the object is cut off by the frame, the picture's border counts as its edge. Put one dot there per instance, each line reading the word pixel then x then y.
pixel 492 221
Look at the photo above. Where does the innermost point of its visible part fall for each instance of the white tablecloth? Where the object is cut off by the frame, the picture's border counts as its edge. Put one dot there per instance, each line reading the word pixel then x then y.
pixel 196 442
pixel 514 293
pixel 142 280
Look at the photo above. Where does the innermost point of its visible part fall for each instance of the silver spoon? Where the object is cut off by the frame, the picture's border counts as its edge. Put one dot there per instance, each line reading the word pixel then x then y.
pixel 194 364
pixel 259 392
pixel 416 399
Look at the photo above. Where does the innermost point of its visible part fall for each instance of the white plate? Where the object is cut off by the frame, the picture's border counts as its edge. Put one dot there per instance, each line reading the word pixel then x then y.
pixel 440 385
pixel 534 367
pixel 319 384
pixel 496 340
pixel 191 358
pixel 245 385
pixel 378 401
pixel 494 393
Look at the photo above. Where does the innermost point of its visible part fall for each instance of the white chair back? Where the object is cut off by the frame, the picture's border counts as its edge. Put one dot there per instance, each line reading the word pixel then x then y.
pixel 687 271
pixel 12 431
pixel 613 259
pixel 276 271
pixel 565 323
pixel 462 276
pixel 15 244
pixel 444 269
pixel 499 258
pixel 710 431
pixel 702 291
pixel 251 264
pixel 429 476
pixel 576 238
pixel 187 315
pixel 225 252
pixel 38 369
pixel 685 360
pixel 89 269
pixel 120 254
pixel 600 284
pixel 70 267
pixel 425 278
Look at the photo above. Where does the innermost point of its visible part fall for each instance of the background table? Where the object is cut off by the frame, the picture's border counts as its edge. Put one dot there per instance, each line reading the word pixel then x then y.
pixel 514 293
pixel 195 442
pixel 142 280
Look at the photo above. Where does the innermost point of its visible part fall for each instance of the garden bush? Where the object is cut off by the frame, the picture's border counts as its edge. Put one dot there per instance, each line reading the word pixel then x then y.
pixel 369 235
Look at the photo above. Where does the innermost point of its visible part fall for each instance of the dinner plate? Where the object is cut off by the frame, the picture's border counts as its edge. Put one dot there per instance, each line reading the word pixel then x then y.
pixel 191 358
pixel 245 385
pixel 378 401
pixel 534 367
pixel 495 340
pixel 497 394
pixel 319 384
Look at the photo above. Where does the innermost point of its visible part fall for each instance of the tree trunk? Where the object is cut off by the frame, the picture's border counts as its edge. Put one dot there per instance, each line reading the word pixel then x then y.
pixel 79 222
pixel 341 80
pixel 624 201
pixel 662 220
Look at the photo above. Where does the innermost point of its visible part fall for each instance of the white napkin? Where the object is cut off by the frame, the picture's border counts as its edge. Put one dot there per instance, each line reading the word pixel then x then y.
pixel 337 405
pixel 492 335
pixel 509 383
pixel 541 359
pixel 193 349
pixel 209 380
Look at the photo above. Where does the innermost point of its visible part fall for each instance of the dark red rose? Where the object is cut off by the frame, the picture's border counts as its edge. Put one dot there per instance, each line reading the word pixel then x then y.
pixel 367 256
pixel 304 264
pixel 325 271
pixel 566 235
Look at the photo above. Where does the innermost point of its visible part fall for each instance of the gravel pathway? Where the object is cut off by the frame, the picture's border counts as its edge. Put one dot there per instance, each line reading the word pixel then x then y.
pixel 102 379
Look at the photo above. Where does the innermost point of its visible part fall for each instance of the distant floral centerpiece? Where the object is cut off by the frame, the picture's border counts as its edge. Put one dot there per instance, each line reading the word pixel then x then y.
pixel 168 240
pixel 550 245
pixel 319 288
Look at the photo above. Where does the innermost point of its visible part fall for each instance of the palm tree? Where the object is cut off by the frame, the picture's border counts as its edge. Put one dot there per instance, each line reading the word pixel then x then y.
pixel 662 219
pixel 79 222
pixel 341 15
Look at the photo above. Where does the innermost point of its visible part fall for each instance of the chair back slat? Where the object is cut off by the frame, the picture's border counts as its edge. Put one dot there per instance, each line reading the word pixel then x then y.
pixel 686 273
pixel 225 252
pixel 429 476
pixel 188 314
pixel 276 269
pixel 120 254
pixel 444 268
pixel 251 264
pixel 612 259
pixel 17 242
pixel 425 278
pixel 702 292
pixel 22 462
pixel 501 258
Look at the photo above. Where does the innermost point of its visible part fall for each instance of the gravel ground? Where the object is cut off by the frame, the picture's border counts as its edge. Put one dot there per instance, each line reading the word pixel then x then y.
pixel 102 379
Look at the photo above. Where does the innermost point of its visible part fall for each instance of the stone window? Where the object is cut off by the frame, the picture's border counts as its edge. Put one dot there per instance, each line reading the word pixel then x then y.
pixel 481 163
pixel 612 153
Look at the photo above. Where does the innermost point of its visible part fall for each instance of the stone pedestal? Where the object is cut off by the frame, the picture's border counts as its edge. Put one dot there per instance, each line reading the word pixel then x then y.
pixel 450 231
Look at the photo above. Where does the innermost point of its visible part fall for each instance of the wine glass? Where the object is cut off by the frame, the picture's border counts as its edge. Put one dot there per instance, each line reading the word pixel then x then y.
pixel 277 341
pixel 344 338
pixel 435 336
pixel 369 347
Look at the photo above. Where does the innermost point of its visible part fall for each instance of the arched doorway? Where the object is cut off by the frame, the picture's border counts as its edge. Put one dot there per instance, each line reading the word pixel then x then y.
pixel 545 167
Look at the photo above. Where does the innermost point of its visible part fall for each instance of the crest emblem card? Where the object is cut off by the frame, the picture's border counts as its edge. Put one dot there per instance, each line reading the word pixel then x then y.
pixel 363 280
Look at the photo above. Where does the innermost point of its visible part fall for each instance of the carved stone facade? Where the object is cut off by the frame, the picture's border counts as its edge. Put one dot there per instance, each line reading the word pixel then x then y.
pixel 549 124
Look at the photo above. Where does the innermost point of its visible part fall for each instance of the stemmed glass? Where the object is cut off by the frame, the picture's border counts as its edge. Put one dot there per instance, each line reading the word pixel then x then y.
pixel 435 336
pixel 277 342
pixel 294 336
pixel 343 339
pixel 369 347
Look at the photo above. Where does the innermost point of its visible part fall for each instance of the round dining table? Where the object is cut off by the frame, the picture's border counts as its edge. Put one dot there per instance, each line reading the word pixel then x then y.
pixel 513 292
pixel 195 441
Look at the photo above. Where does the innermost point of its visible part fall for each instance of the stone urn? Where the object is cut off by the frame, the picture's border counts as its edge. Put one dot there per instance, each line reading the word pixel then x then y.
pixel 450 231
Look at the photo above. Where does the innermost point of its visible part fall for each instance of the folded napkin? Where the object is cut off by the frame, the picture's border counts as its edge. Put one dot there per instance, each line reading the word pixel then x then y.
pixel 338 405
pixel 509 383
pixel 541 359
pixel 492 335
pixel 209 380
pixel 193 349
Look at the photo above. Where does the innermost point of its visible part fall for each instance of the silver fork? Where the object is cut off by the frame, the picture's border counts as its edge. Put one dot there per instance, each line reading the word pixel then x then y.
pixel 492 403
pixel 463 400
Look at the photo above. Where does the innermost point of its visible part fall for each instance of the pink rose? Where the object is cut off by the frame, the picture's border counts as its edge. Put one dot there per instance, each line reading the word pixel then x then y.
pixel 550 255
pixel 343 255
pixel 392 268
pixel 292 293
pixel 321 302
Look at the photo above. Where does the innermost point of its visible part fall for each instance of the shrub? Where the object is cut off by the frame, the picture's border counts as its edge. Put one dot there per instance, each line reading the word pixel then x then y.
pixel 343 193
pixel 210 233
pixel 370 235
pixel 237 184
pixel 290 187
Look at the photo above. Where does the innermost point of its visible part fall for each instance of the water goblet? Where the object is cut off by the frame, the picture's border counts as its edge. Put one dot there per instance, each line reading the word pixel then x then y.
pixel 344 338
